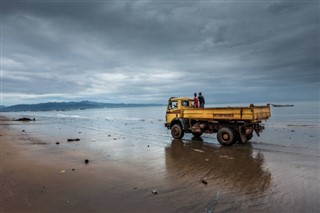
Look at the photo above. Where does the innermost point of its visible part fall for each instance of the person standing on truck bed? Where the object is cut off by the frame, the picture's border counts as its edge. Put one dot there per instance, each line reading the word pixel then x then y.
pixel 195 101
pixel 201 100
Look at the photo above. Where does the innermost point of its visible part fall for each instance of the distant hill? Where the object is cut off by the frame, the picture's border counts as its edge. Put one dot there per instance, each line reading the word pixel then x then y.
pixel 62 106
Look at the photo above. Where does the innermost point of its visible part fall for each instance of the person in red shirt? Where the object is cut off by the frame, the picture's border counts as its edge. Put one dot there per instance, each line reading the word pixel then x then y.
pixel 195 101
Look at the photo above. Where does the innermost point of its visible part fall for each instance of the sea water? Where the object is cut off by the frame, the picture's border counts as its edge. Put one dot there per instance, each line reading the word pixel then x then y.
pixel 148 122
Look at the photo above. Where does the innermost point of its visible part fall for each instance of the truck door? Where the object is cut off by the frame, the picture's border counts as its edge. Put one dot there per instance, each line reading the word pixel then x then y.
pixel 172 111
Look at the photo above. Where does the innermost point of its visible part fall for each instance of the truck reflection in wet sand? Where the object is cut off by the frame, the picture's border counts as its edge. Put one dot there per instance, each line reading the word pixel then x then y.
pixel 231 176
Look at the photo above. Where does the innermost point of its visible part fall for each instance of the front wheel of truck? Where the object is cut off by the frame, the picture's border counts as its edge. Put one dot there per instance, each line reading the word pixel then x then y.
pixel 226 136
pixel 176 131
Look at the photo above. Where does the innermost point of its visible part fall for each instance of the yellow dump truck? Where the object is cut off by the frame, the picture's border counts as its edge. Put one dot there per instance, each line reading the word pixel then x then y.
pixel 232 124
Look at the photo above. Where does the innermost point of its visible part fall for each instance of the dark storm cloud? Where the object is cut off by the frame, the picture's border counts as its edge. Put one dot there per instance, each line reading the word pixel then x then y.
pixel 124 51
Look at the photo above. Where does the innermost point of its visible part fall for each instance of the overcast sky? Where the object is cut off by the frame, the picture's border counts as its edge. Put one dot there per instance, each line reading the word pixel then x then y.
pixel 148 51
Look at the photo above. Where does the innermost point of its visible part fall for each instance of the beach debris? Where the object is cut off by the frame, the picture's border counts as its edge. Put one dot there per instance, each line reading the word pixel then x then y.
pixel 57 143
pixel 198 150
pixel 148 145
pixel 67 201
pixel 114 138
pixel 292 130
pixel 23 130
pixel 62 171
pixel 73 139
pixel 204 181
pixel 206 159
pixel 282 105
pixel 24 119
pixel 154 191
pixel 109 135
pixel 135 187
pixel 86 161
pixel 73 169
pixel 79 132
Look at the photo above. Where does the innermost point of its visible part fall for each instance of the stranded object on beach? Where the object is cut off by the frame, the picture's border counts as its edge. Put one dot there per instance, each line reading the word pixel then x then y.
pixel 73 139
pixel 282 105
pixel 24 119
pixel 86 161
pixel 154 191
pixel 204 181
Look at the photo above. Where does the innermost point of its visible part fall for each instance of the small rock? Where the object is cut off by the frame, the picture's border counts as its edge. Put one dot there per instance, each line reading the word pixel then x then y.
pixel 292 130
pixel 73 169
pixel 204 181
pixel 154 192
pixel 86 161
pixel 23 130
pixel 148 145
pixel 57 143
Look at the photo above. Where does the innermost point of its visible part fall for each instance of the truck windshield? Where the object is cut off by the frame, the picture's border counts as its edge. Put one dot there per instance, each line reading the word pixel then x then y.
pixel 172 105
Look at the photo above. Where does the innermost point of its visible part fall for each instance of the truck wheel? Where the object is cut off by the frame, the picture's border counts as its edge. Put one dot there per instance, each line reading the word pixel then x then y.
pixel 226 136
pixel 248 138
pixel 177 132
pixel 197 134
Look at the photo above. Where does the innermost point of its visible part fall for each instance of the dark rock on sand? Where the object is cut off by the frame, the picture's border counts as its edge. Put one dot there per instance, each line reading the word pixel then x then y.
pixel 25 119
pixel 204 181
pixel 73 139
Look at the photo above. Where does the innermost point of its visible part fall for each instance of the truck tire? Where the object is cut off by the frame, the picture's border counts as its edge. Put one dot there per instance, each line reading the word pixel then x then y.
pixel 248 138
pixel 226 136
pixel 176 131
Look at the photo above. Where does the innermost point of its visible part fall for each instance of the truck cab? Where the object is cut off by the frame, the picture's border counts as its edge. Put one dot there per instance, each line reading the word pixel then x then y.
pixel 174 108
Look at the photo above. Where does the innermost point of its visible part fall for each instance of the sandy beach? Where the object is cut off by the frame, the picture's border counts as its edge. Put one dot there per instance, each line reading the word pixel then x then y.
pixel 41 173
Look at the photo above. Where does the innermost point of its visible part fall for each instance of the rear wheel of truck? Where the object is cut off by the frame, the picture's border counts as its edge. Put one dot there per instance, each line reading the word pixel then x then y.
pixel 177 132
pixel 248 137
pixel 226 136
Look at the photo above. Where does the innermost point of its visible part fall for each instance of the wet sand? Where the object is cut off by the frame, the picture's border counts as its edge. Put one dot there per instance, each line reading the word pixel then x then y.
pixel 191 175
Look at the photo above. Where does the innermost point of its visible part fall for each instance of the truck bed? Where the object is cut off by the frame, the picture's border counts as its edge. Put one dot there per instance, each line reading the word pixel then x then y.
pixel 251 113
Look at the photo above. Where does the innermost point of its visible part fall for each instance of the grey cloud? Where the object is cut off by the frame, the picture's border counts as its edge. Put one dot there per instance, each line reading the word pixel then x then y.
pixel 139 50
